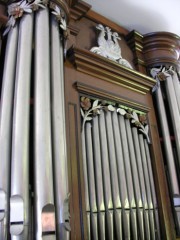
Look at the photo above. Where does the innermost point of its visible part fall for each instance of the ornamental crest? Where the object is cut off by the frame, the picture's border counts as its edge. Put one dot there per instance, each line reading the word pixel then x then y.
pixel 109 46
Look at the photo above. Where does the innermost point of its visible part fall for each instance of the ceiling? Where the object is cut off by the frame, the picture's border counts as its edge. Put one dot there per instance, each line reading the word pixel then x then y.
pixel 144 16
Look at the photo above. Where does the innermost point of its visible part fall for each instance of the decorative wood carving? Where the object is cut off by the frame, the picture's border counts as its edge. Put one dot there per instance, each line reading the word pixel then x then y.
pixel 78 9
pixel 98 66
pixel 135 41
pixel 161 48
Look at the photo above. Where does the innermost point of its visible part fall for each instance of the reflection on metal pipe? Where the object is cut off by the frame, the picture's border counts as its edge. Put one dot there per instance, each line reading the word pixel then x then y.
pixel 59 133
pixel 19 201
pixel 140 214
pixel 167 141
pixel 176 85
pixel 97 165
pixel 6 108
pixel 90 164
pixel 120 163
pixel 146 224
pixel 152 224
pixel 118 223
pixel 85 170
pixel 42 134
pixel 139 166
pixel 112 161
pixel 126 161
pixel 105 163
pixel 94 226
pixel 134 223
pixel 174 110
pixel 146 173
pixel 89 225
pixel 110 225
pixel 132 158
pixel 102 231
pixel 126 224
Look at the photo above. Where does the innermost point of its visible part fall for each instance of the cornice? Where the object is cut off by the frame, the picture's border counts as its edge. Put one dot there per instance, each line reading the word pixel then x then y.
pixel 161 48
pixel 78 9
pixel 100 67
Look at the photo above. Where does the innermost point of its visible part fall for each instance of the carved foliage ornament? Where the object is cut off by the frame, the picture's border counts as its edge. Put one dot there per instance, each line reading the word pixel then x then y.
pixel 91 108
pixel 16 10
pixel 161 74
pixel 109 46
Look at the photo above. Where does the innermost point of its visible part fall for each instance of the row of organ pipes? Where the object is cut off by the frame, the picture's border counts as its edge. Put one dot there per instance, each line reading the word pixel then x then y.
pixel 34 57
pixel 120 193
pixel 167 99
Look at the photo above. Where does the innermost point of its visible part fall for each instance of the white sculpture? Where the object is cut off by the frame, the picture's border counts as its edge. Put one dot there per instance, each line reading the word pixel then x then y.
pixel 109 46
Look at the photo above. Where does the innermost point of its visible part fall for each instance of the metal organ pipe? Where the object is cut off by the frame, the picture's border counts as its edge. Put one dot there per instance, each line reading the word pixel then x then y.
pixel 19 201
pixel 59 132
pixel 43 167
pixel 6 109
pixel 167 141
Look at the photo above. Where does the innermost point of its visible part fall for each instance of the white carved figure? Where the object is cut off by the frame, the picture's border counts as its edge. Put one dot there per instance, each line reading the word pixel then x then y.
pixel 108 46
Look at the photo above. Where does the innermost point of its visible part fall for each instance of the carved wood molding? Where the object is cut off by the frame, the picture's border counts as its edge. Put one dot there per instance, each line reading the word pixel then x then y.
pixel 161 48
pixel 98 66
pixel 78 9
pixel 135 41
pixel 99 93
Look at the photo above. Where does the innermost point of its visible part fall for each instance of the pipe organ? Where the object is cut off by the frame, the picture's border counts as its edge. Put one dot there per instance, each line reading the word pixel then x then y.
pixel 89 143
pixel 33 43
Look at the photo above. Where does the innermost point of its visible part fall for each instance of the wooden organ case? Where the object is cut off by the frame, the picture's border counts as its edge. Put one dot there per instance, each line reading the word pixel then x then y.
pixel 114 100
pixel 117 175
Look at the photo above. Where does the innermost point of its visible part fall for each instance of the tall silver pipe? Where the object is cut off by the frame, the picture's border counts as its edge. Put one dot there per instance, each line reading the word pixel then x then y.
pixel 132 158
pixel 90 165
pixel 85 170
pixel 176 85
pixel 112 161
pixel 120 162
pixel 105 163
pixel 43 169
pixel 126 224
pixel 167 142
pixel 59 130
pixel 147 226
pixel 102 228
pixel 97 164
pixel 6 109
pixel 139 166
pixel 19 201
pixel 174 110
pixel 118 223
pixel 94 226
pixel 146 173
pixel 110 224
pixel 126 161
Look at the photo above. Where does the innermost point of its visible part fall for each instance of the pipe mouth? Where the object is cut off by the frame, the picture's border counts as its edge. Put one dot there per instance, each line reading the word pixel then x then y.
pixel 2 204
pixel 48 221
pixel 16 215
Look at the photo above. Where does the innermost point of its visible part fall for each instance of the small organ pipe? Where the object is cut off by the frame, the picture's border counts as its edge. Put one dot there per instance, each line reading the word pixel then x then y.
pixel 90 165
pixel 97 165
pixel 112 161
pixel 105 163
pixel 120 163
pixel 6 109
pixel 126 161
